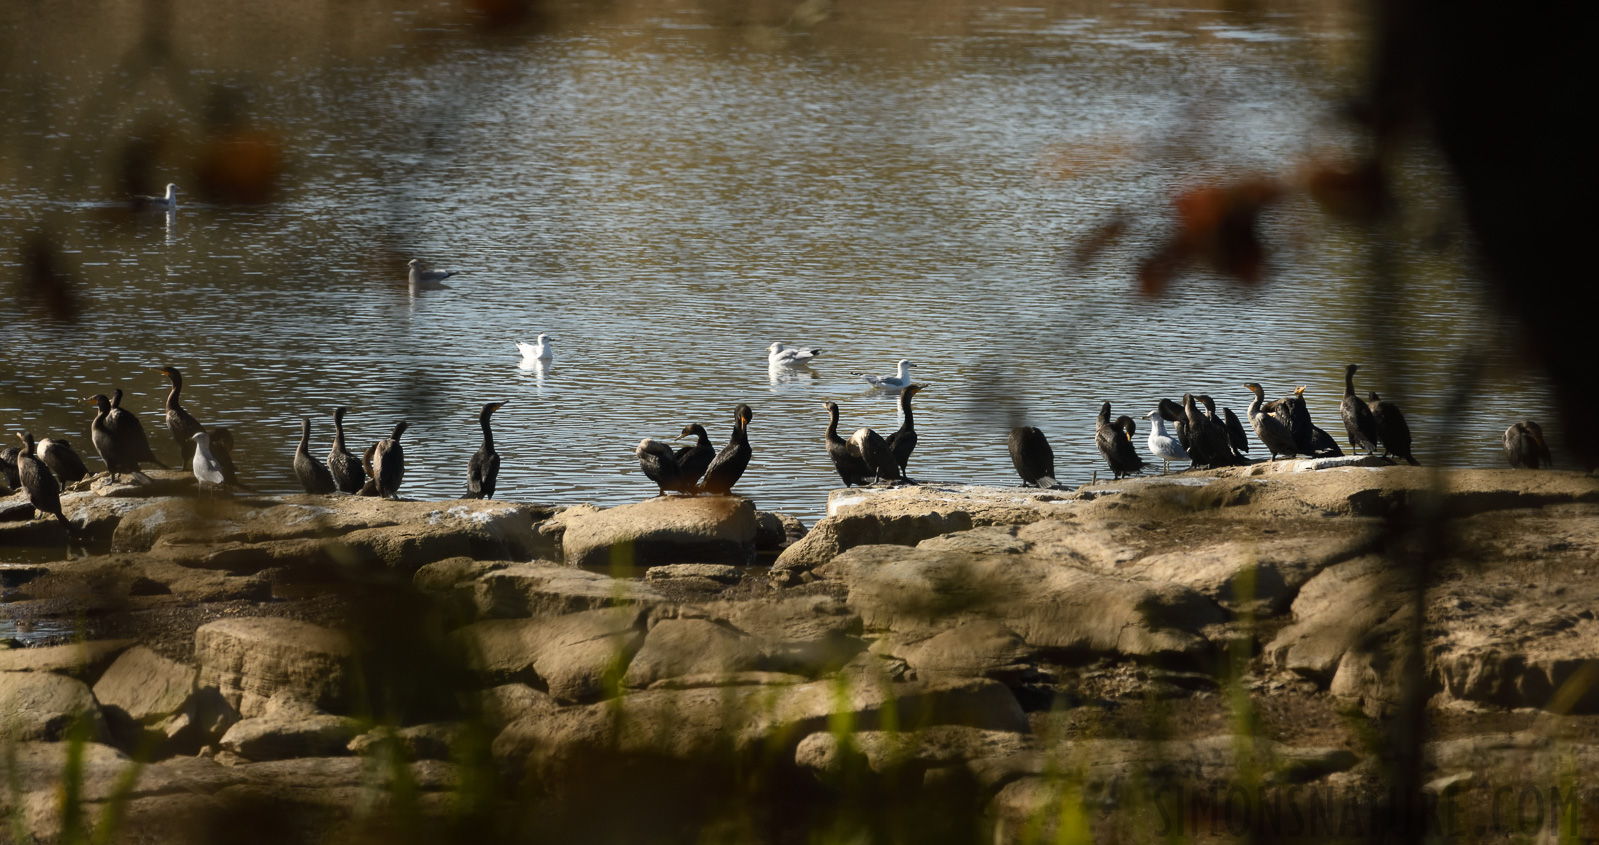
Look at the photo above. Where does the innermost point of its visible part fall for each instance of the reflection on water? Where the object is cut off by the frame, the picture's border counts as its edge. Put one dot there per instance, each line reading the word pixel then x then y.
pixel 668 200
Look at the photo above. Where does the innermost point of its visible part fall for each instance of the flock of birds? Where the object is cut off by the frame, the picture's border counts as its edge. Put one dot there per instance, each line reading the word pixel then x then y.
pixel 1204 438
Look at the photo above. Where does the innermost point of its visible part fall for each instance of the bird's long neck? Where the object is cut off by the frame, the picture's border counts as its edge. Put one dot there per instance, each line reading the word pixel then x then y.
pixel 1104 415
pixel 488 433
pixel 338 433
pixel 1349 382
pixel 905 408
pixel 1255 403
pixel 832 424
pixel 172 395
pixel 305 435
pixel 739 434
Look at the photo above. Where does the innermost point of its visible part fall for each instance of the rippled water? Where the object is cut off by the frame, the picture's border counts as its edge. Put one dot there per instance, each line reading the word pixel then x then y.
pixel 666 195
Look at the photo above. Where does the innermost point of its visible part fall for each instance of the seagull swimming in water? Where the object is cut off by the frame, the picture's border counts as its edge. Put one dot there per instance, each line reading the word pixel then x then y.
pixel 538 350
pixel 170 201
pixel 893 382
pixel 781 355
pixel 1163 445
pixel 422 279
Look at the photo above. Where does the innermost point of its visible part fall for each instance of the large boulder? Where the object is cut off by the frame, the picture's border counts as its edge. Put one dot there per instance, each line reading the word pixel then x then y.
pixel 251 659
pixel 143 693
pixel 45 706
pixel 288 728
pixel 576 657
pixel 546 589
pixel 663 530
pixel 1334 612
pixel 805 635
pixel 675 648
pixel 1049 604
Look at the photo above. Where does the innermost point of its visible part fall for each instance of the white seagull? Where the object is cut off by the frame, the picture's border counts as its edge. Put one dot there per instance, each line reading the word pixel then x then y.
pixel 780 355
pixel 207 469
pixel 538 350
pixel 1163 445
pixel 422 279
pixel 169 201
pixel 894 382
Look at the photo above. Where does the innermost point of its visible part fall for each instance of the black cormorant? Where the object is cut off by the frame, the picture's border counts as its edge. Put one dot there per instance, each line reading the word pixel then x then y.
pixel 122 447
pixel 1032 457
pixel 873 450
pixel 1309 439
pixel 388 463
pixel 1358 421
pixel 1207 443
pixel 62 460
pixel 126 427
pixel 730 463
pixel 852 468
pixel 693 459
pixel 8 467
pixel 43 491
pixel 348 476
pixel 1273 434
pixel 1235 454
pixel 903 441
pixel 1114 440
pixel 314 477
pixel 1392 430
pixel 484 469
pixel 181 423
pixel 1173 413
pixel 1525 447
pixel 655 458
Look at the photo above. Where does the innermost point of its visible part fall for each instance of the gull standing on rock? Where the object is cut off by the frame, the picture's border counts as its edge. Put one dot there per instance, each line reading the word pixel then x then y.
pixel 901 378
pixel 1163 445
pixel 207 469
pixel 424 279
pixel 780 355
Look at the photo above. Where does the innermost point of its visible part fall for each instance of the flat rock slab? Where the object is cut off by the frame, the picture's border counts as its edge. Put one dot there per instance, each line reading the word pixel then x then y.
pixel 544 589
pixel 252 659
pixel 1047 603
pixel 664 530
pixel 710 571
pixel 146 687
pixel 85 660
pixel 675 648
pixel 571 656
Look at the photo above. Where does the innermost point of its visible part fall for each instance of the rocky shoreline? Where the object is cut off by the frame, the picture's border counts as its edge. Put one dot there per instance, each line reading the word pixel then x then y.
pixel 1176 653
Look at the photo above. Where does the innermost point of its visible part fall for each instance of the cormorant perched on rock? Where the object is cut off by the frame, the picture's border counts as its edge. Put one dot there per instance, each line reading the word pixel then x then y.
pixel 8 467
pixel 1115 443
pixel 1358 421
pixel 693 459
pixel 1235 432
pixel 1309 439
pixel 181 423
pixel 659 465
pixel 207 469
pixel 1163 445
pixel 62 460
pixel 1392 430
pixel 903 441
pixel 1207 443
pixel 1032 457
pixel 125 426
pixel 484 469
pixel 43 491
pixel 874 451
pixel 1273 434
pixel 388 463
pixel 852 468
pixel 119 438
pixel 348 475
pixel 314 477
pixel 1525 447
pixel 729 465
pixel 1235 451
pixel 222 449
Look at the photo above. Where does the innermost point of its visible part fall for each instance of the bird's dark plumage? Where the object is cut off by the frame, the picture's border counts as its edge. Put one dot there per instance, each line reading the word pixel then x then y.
pixel 8 467
pixel 1114 440
pixel 1173 413
pixel 118 437
pixel 660 465
pixel 1392 429
pixel 852 468
pixel 180 422
pixel 1207 443
pixel 729 465
pixel 484 469
pixel 62 460
pixel 903 441
pixel 125 426
pixel 1032 457
pixel 314 477
pixel 222 450
pixel 1273 432
pixel 348 474
pixel 388 463
pixel 1525 447
pixel 1358 420
pixel 1235 431
pixel 43 491
pixel 873 450
pixel 695 458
